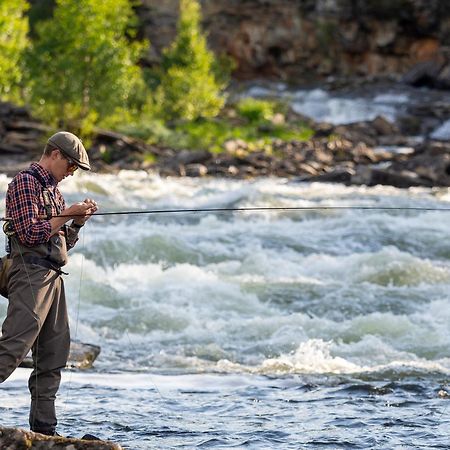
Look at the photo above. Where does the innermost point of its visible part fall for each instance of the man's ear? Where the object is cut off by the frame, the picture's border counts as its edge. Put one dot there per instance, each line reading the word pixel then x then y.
pixel 54 155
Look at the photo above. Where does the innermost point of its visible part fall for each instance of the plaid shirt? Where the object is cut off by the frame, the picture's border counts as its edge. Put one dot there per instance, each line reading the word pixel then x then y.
pixel 26 207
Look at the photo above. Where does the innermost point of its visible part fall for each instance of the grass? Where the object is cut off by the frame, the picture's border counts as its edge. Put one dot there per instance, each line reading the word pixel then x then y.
pixel 257 122
pixel 212 134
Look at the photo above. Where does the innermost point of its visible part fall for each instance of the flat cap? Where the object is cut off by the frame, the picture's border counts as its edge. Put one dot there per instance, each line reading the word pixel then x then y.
pixel 72 147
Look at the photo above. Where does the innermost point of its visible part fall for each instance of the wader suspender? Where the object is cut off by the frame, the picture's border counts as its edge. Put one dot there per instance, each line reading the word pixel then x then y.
pixel 48 202
pixel 48 199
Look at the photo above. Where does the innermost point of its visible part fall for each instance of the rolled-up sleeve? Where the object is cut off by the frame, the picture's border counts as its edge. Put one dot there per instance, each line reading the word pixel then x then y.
pixel 22 205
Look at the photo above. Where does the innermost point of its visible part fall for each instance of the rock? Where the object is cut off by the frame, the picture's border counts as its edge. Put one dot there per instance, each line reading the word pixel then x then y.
pixel 431 161
pixel 10 148
pixel 335 176
pixel 330 155
pixel 196 170
pixel 443 78
pixel 81 356
pixel 422 74
pixel 323 129
pixel 410 125
pixel 363 154
pixel 307 40
pixel 17 439
pixel 443 394
pixel 384 127
pixel 442 132
pixel 232 145
pixel 26 125
pixel 186 157
pixel 404 179
pixel 307 169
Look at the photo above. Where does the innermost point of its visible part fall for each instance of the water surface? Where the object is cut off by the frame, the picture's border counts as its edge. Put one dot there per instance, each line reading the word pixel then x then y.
pixel 281 329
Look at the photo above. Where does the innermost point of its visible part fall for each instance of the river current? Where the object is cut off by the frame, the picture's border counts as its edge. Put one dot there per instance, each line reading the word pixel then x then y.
pixel 324 329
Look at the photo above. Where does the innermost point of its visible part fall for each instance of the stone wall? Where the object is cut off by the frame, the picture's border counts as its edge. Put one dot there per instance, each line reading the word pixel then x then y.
pixel 299 40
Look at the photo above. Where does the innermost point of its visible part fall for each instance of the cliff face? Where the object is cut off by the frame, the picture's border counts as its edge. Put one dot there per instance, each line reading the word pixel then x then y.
pixel 304 39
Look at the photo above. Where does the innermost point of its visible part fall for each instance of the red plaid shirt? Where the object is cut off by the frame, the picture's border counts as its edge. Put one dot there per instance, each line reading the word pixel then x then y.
pixel 26 207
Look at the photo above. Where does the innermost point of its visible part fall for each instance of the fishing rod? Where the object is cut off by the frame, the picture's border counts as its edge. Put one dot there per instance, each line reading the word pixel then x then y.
pixel 254 209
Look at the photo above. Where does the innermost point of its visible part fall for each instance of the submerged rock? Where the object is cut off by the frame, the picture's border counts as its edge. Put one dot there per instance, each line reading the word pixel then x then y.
pixel 17 439
pixel 81 356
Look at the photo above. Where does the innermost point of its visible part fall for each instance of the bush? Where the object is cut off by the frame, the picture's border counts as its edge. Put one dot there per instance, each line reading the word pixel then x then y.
pixel 255 110
pixel 188 86
pixel 13 41
pixel 82 66
pixel 211 134
pixel 139 123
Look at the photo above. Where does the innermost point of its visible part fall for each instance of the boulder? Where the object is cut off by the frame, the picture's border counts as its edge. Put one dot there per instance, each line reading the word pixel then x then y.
pixel 423 74
pixel 81 356
pixel 431 161
pixel 18 439
pixel 335 176
pixel 403 179
pixel 186 157
pixel 196 170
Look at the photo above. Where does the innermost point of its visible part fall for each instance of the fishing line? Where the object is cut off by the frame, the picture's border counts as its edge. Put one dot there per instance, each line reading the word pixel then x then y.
pixel 69 383
pixel 147 374
pixel 240 209
pixel 256 209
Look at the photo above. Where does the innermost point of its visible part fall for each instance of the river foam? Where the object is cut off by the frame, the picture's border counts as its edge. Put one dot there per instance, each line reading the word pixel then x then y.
pixel 325 291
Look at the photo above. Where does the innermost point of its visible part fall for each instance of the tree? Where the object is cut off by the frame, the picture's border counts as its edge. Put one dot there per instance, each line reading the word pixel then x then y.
pixel 189 88
pixel 83 65
pixel 13 41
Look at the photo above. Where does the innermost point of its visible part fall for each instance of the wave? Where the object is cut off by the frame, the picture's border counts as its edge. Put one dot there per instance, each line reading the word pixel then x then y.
pixel 317 291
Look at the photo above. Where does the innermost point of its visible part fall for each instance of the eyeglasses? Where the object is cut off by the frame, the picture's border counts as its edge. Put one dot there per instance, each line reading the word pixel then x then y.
pixel 71 164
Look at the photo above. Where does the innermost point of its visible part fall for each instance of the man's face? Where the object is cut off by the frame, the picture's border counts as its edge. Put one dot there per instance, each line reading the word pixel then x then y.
pixel 62 166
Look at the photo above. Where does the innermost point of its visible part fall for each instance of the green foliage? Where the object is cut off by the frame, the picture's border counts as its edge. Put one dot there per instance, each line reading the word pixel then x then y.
pixel 13 41
pixel 211 134
pixel 82 66
pixel 188 86
pixel 40 10
pixel 255 110
pixel 140 123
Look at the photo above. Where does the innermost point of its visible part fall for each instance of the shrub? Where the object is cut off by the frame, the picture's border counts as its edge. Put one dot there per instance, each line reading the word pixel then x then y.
pixel 255 110
pixel 13 41
pixel 82 65
pixel 188 86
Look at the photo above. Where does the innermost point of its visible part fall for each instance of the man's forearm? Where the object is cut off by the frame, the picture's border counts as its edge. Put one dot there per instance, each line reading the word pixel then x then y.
pixel 57 222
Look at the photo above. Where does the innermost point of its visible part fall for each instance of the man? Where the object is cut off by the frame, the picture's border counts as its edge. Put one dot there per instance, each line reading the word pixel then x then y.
pixel 38 243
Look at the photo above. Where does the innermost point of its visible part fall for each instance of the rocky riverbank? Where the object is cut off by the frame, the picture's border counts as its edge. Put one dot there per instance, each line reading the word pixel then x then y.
pixel 17 439
pixel 370 152
pixel 304 40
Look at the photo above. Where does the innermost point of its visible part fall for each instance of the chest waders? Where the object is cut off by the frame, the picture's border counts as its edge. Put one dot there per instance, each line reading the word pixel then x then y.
pixel 37 318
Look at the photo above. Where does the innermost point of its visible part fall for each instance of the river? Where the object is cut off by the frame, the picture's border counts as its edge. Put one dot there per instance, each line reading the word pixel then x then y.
pixel 281 329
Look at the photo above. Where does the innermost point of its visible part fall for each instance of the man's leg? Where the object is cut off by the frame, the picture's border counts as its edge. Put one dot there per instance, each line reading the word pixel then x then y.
pixel 50 354
pixel 24 317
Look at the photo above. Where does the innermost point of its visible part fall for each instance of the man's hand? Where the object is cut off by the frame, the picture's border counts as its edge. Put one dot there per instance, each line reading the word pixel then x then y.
pixel 82 211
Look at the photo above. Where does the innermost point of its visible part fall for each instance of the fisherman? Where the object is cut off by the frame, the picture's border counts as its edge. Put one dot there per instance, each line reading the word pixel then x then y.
pixel 38 241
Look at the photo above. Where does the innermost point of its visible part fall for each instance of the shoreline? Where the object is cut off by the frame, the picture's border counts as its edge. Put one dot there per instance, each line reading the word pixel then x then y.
pixel 373 152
